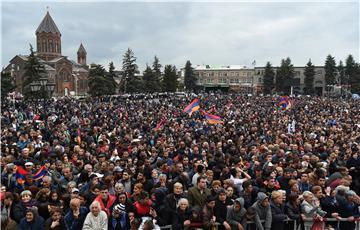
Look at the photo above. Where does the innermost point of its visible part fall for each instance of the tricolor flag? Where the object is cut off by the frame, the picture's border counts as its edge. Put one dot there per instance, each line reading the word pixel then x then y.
pixel 212 119
pixel 192 107
pixel 21 174
pixel 40 174
pixel 285 103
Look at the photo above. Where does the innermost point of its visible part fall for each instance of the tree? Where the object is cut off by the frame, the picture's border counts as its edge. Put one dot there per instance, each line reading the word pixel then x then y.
pixel 110 79
pixel 130 69
pixel 151 84
pixel 341 72
pixel 157 74
pixel 330 70
pixel 355 79
pixel 7 84
pixel 350 72
pixel 170 82
pixel 268 78
pixel 284 76
pixel 97 81
pixel 33 70
pixel 309 78
pixel 189 77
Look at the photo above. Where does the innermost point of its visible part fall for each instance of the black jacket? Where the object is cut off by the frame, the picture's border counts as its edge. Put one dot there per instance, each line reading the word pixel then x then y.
pixel 278 216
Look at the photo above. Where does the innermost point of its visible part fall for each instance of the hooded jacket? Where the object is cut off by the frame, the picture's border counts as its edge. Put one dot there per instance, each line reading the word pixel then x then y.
pixel 236 217
pixel 264 213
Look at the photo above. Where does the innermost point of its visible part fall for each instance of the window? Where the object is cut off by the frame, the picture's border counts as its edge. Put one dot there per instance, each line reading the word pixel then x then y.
pixel 44 47
pixel 51 45
pixel 260 80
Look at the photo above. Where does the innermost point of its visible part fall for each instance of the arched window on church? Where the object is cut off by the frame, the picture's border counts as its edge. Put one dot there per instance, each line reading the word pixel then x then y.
pixel 51 46
pixel 38 46
pixel 56 47
pixel 44 48
pixel 65 76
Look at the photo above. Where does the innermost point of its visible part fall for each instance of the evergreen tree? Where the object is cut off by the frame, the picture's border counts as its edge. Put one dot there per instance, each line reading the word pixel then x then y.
pixel 170 82
pixel 132 83
pixel 189 77
pixel 151 84
pixel 110 79
pixel 309 78
pixel 350 72
pixel 33 71
pixel 98 84
pixel 341 71
pixel 330 70
pixel 284 76
pixel 7 84
pixel 157 74
pixel 355 79
pixel 268 78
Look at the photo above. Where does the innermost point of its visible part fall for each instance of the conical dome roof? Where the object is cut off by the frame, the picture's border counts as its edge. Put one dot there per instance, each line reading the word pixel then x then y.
pixel 81 49
pixel 48 25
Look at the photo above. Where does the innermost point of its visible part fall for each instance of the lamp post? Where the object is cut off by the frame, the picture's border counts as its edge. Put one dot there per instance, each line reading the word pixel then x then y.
pixel 46 87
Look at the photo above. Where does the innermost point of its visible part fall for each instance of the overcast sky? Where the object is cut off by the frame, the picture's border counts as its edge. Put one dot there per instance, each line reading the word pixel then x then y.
pixel 215 33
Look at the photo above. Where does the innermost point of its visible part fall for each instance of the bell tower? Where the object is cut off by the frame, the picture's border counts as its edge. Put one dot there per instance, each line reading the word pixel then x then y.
pixel 48 39
pixel 81 55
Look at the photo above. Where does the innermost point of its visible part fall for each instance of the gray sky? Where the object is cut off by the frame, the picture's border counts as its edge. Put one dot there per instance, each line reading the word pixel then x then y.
pixel 218 33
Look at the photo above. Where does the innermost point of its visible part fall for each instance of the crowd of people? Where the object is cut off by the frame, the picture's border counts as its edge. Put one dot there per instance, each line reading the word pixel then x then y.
pixel 143 163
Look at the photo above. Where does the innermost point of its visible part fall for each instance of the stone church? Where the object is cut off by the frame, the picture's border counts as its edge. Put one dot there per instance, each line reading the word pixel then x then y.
pixel 70 77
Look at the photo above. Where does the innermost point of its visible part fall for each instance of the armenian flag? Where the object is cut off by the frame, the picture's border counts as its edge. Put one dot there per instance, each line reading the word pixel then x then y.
pixel 212 119
pixel 21 174
pixel 192 107
pixel 160 124
pixel 285 103
pixel 40 174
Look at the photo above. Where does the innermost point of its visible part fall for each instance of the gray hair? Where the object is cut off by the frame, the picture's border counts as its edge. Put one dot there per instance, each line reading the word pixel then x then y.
pixel 119 185
pixel 25 192
pixel 71 183
pixel 181 201
pixel 307 194
pixel 95 203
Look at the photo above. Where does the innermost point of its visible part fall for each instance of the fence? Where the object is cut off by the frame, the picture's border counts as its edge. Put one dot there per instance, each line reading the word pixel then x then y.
pixel 327 220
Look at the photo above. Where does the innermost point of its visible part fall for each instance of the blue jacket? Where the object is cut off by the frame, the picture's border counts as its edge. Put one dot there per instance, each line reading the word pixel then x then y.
pixel 75 224
pixel 37 224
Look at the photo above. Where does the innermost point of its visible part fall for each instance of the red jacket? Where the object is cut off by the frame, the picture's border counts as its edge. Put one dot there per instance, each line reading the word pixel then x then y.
pixel 110 202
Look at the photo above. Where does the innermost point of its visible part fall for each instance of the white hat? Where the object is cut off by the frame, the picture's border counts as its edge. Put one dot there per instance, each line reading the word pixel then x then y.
pixel 29 163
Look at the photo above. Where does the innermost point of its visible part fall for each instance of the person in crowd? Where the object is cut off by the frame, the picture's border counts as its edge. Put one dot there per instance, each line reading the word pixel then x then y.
pixel 96 219
pixel 119 219
pixel 56 221
pixel 236 215
pixel 278 211
pixel 263 210
pixel 31 221
pixel 198 194
pixel 310 208
pixel 75 217
pixel 220 210
pixel 292 210
pixel 25 203
pixel 181 218
pixel 105 200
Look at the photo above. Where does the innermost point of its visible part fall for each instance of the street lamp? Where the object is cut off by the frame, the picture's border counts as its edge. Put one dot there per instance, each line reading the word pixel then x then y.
pixel 48 88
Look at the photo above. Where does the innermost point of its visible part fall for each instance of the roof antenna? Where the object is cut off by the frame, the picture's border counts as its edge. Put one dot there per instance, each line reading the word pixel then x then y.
pixel 47 9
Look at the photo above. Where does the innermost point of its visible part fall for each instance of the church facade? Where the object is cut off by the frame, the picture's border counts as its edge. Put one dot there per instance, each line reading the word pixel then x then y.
pixel 70 77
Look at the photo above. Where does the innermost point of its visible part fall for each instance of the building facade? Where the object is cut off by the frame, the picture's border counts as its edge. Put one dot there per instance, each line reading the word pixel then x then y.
pixel 70 77
pixel 245 80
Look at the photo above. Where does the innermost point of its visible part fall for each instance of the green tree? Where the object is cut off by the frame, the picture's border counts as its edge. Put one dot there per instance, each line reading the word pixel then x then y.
pixel 110 79
pixel 268 78
pixel 132 82
pixel 97 81
pixel 170 82
pixel 330 70
pixel 189 77
pixel 355 79
pixel 309 78
pixel 33 71
pixel 7 84
pixel 350 72
pixel 151 84
pixel 284 76
pixel 341 72
pixel 157 74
